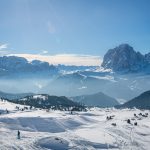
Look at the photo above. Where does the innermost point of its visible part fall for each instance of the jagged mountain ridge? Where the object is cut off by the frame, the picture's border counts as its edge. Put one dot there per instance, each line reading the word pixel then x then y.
pixel 10 65
pixel 14 66
pixel 121 58
pixel 125 58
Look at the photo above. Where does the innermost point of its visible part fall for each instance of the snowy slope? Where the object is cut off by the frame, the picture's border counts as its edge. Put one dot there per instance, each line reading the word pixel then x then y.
pixel 41 130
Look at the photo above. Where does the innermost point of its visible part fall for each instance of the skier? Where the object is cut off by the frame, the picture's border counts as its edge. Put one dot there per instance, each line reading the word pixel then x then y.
pixel 18 134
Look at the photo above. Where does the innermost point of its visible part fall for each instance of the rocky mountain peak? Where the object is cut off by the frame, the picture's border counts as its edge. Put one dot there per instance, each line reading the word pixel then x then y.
pixel 123 58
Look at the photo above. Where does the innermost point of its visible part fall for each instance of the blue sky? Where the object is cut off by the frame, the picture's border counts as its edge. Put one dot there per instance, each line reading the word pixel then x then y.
pixel 88 27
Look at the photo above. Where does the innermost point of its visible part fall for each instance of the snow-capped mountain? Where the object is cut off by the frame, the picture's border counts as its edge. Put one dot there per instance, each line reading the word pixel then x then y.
pixel 124 58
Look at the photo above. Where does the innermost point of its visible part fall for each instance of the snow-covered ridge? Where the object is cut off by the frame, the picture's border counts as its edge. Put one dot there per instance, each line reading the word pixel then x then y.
pixel 43 97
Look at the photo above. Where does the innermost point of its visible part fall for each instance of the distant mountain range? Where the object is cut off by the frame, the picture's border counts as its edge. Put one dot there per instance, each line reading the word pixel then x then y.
pixel 61 102
pixel 99 99
pixel 12 65
pixel 124 74
pixel 121 58
pixel 125 58
pixel 141 102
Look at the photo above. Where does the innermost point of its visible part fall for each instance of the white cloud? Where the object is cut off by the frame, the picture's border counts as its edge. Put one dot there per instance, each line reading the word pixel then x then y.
pixel 45 52
pixel 3 50
pixel 66 59
pixel 3 46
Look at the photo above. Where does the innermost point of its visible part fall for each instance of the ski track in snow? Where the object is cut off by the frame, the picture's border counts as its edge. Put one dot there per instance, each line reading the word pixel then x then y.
pixel 41 130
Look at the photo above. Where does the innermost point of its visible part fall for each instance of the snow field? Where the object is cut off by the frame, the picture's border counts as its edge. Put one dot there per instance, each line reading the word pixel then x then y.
pixel 59 130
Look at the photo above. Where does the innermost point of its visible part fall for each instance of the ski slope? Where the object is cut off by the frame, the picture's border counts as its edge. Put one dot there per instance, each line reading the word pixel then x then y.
pixel 60 130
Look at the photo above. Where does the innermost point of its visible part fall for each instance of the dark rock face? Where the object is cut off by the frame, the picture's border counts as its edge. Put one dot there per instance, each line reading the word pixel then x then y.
pixel 12 62
pixel 123 58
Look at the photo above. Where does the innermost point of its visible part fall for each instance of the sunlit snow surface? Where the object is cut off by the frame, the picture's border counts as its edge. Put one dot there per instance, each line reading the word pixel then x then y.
pixel 57 130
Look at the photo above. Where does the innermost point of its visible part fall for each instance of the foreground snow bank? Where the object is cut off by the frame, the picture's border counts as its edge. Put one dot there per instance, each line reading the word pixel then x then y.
pixel 79 131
